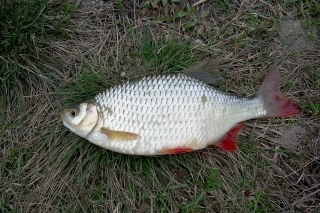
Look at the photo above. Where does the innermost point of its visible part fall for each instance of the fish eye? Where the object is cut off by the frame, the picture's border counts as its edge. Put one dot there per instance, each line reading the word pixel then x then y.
pixel 73 112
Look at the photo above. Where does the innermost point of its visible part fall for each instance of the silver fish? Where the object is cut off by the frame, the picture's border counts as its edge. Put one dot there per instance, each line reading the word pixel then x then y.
pixel 175 113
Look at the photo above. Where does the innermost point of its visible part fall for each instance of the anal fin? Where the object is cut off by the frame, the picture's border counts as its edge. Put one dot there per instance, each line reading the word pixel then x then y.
pixel 178 150
pixel 229 141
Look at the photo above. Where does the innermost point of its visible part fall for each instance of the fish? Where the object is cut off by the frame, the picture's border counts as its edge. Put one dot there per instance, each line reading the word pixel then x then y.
pixel 174 113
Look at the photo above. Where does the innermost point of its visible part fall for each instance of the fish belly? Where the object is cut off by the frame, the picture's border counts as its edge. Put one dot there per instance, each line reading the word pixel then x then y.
pixel 169 112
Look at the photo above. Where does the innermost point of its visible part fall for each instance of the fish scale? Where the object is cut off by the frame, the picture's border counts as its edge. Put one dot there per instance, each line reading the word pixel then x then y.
pixel 142 106
pixel 171 114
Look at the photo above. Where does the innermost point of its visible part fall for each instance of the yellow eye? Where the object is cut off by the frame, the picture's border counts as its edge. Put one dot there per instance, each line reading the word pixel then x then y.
pixel 73 112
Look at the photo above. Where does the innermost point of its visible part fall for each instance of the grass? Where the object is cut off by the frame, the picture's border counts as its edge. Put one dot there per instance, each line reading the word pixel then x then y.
pixel 26 26
pixel 45 167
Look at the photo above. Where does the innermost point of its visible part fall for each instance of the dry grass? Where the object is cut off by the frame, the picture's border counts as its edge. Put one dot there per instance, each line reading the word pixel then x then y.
pixel 46 168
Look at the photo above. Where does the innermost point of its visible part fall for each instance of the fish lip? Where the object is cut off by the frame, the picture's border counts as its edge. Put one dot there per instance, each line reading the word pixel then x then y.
pixel 70 128
pixel 62 114
pixel 66 125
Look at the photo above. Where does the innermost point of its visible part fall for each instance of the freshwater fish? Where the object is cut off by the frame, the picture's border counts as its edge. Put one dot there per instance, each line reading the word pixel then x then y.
pixel 174 113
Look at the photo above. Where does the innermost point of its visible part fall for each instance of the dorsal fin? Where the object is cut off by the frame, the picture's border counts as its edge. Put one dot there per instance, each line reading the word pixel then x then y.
pixel 206 71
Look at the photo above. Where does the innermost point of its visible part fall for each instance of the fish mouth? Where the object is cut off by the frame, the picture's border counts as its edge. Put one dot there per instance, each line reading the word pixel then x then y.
pixel 62 114
pixel 69 127
pixel 63 117
pixel 66 125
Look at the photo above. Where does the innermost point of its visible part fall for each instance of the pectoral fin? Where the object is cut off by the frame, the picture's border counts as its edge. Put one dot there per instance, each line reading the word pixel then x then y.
pixel 206 71
pixel 119 135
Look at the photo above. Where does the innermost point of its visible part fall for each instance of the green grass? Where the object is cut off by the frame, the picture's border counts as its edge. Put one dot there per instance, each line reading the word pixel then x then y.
pixel 25 27
pixel 45 67
pixel 311 22
pixel 85 86
pixel 166 56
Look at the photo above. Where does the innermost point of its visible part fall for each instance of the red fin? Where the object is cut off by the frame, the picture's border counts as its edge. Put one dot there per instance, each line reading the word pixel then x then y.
pixel 273 103
pixel 229 141
pixel 178 150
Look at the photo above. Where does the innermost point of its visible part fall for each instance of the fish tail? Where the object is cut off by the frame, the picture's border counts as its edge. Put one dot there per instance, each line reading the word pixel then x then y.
pixel 274 104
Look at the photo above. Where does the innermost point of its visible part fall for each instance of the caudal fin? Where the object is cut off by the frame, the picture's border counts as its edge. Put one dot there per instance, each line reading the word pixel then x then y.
pixel 274 104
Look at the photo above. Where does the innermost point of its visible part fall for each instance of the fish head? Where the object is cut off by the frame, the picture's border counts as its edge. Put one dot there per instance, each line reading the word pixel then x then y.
pixel 80 118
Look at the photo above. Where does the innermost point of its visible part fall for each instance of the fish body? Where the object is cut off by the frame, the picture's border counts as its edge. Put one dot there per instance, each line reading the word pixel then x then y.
pixel 170 114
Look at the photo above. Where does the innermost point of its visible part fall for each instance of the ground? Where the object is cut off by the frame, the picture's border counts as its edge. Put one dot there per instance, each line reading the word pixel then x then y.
pixel 74 51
